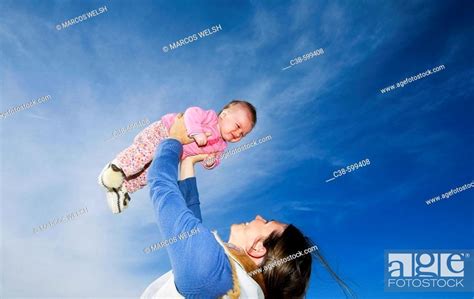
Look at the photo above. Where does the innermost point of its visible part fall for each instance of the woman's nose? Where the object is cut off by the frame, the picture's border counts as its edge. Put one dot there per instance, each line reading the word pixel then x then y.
pixel 258 217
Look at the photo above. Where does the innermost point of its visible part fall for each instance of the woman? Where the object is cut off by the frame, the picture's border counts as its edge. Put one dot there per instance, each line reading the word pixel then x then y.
pixel 203 265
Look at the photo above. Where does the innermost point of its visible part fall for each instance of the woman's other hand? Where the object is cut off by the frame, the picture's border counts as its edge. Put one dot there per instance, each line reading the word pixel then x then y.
pixel 187 165
pixel 196 158
pixel 178 130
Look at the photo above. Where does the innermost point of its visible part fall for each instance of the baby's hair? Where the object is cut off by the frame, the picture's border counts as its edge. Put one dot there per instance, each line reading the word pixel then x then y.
pixel 250 108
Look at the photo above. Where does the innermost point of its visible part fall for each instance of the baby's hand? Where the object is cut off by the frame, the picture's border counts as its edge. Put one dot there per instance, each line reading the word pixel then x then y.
pixel 201 139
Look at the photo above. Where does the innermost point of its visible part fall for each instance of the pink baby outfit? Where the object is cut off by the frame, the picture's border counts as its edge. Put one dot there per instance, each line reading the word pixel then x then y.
pixel 135 159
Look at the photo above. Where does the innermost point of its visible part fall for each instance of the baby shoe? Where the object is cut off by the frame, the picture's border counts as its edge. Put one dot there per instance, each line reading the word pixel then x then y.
pixel 111 177
pixel 118 199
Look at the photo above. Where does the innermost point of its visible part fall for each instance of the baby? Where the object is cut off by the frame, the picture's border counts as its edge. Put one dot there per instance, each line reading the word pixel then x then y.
pixel 210 131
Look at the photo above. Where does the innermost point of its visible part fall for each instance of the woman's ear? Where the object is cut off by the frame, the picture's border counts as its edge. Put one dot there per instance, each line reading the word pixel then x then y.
pixel 257 250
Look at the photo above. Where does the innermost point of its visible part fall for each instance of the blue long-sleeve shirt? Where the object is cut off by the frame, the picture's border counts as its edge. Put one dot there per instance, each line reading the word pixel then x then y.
pixel 188 188
pixel 200 266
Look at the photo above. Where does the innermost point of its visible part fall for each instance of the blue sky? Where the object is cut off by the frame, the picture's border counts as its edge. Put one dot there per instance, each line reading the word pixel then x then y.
pixel 324 114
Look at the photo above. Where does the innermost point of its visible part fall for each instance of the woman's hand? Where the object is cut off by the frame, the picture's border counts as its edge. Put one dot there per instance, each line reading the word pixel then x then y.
pixel 187 165
pixel 196 158
pixel 178 130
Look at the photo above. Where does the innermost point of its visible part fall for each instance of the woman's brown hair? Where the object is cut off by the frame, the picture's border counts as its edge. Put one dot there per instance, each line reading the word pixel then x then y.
pixel 289 279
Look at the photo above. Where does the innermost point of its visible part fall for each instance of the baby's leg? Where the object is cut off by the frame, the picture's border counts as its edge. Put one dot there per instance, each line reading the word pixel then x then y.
pixel 137 181
pixel 134 158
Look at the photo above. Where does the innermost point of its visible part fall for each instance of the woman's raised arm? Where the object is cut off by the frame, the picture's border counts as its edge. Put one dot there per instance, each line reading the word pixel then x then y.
pixel 200 265
pixel 188 184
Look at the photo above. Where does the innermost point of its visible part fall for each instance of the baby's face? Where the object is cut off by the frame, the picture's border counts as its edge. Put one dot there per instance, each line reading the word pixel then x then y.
pixel 235 122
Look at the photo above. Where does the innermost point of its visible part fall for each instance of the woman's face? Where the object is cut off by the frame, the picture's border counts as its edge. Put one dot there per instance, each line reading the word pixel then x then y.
pixel 250 235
